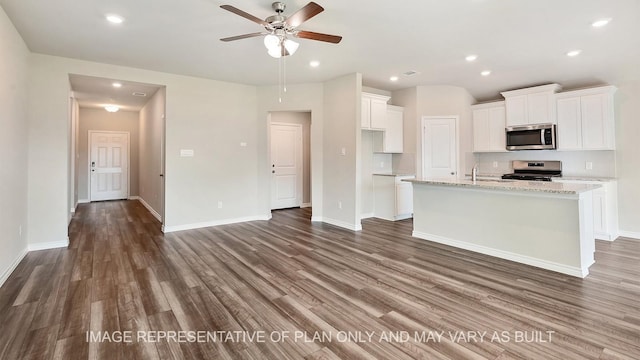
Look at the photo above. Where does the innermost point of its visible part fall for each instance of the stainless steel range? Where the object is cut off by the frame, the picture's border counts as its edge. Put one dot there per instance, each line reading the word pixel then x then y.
pixel 535 170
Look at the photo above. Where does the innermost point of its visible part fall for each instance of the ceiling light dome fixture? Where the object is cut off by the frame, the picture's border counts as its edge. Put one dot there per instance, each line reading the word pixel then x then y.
pixel 112 108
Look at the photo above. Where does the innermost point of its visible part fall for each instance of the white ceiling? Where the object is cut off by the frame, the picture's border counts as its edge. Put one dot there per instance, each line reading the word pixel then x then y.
pixel 522 42
pixel 95 92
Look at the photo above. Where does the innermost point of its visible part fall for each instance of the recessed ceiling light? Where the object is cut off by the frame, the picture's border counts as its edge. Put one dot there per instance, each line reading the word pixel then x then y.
pixel 116 85
pixel 393 78
pixel 471 58
pixel 600 23
pixel 112 108
pixel 114 19
pixel 314 63
pixel 573 53
pixel 486 73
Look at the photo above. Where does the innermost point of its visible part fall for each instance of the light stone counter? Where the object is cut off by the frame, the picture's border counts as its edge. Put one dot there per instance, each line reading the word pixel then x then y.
pixel 512 185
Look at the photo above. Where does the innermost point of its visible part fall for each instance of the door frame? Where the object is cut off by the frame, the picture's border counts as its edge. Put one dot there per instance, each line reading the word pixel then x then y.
pixel 423 123
pixel 299 161
pixel 90 132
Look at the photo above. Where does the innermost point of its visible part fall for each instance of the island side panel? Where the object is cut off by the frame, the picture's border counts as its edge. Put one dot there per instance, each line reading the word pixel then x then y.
pixel 539 230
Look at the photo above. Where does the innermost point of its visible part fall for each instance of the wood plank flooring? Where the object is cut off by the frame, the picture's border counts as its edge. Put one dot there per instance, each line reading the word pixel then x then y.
pixel 377 294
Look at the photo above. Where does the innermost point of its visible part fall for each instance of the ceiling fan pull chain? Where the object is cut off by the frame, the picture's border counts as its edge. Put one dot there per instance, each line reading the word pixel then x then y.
pixel 284 74
pixel 280 79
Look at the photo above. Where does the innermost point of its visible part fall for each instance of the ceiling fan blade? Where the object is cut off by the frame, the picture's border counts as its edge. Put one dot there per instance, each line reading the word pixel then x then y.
pixel 318 36
pixel 310 10
pixel 245 36
pixel 245 15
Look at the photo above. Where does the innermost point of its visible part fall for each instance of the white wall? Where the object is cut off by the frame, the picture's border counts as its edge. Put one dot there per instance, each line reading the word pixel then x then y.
pixel 211 117
pixel 342 177
pixel 628 156
pixel 299 97
pixel 151 130
pixel 300 118
pixel 100 119
pixel 13 146
pixel 405 163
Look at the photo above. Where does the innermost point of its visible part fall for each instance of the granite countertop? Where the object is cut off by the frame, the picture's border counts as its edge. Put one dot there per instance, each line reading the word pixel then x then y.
pixel 571 178
pixel 394 174
pixel 511 185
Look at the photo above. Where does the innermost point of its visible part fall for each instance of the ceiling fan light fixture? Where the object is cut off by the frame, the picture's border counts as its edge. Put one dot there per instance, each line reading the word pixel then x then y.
pixel 291 46
pixel 275 52
pixel 271 42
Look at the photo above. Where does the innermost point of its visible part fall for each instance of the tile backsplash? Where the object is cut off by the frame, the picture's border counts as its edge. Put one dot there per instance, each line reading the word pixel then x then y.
pixel 574 163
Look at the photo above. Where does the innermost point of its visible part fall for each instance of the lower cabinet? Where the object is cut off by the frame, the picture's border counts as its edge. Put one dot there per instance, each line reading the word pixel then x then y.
pixel 605 208
pixel 393 198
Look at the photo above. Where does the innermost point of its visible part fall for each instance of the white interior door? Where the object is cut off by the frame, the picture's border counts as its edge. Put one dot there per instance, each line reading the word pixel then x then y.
pixel 286 165
pixel 109 165
pixel 439 147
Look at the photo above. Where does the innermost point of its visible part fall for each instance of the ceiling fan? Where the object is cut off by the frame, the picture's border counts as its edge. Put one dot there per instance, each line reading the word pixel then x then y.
pixel 279 27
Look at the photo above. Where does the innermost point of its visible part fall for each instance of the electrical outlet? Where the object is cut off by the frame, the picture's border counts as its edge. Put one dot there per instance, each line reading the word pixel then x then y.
pixel 343 151
pixel 495 164
pixel 588 165
pixel 219 204
pixel 339 204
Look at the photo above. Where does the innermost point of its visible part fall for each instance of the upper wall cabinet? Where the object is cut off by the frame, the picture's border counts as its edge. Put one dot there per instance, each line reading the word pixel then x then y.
pixel 586 119
pixel 393 141
pixel 488 127
pixel 534 105
pixel 374 111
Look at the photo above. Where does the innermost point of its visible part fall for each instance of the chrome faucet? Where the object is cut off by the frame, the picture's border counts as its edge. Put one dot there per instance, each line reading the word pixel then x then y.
pixel 474 173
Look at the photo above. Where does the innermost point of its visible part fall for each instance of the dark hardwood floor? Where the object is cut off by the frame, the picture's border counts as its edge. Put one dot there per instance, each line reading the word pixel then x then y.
pixel 390 296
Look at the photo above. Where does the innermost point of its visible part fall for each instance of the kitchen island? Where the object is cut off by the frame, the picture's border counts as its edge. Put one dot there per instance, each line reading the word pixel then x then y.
pixel 543 224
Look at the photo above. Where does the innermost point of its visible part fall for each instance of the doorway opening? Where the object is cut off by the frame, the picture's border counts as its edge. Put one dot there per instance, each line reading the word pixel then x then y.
pixel 290 159
pixel 101 166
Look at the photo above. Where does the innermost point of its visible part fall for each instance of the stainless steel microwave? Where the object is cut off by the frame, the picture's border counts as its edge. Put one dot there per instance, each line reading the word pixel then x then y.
pixel 531 137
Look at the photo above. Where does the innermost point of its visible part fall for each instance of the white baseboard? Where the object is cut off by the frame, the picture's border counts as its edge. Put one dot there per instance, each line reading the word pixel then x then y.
pixel 7 272
pixel 145 204
pixel 629 234
pixel 544 264
pixel 366 216
pixel 83 201
pixel 342 224
pixel 316 218
pixel 168 229
pixel 305 205
pixel 48 245
pixel 72 210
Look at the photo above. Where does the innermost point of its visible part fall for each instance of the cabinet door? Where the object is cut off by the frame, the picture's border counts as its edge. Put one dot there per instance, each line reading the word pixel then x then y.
pixel 516 110
pixel 404 198
pixel 393 142
pixel 497 137
pixel 366 113
pixel 599 212
pixel 378 114
pixel 481 132
pixel 597 128
pixel 540 108
pixel 569 129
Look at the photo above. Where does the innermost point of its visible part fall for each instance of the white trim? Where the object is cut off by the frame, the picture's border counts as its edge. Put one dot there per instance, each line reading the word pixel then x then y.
pixel 89 133
pixel 629 234
pixel 305 205
pixel 83 201
pixel 316 218
pixel 342 224
pixel 366 216
pixel 544 264
pixel 9 270
pixel 48 245
pixel 72 210
pixel 168 229
pixel 145 204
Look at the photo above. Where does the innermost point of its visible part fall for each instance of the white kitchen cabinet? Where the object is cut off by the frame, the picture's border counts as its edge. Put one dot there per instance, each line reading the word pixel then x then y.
pixel 586 119
pixel 390 140
pixel 534 105
pixel 488 127
pixel 605 208
pixel 374 111
pixel 393 198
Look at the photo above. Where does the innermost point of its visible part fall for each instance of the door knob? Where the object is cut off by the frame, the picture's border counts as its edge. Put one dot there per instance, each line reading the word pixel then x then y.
pixel 452 173
pixel 273 171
